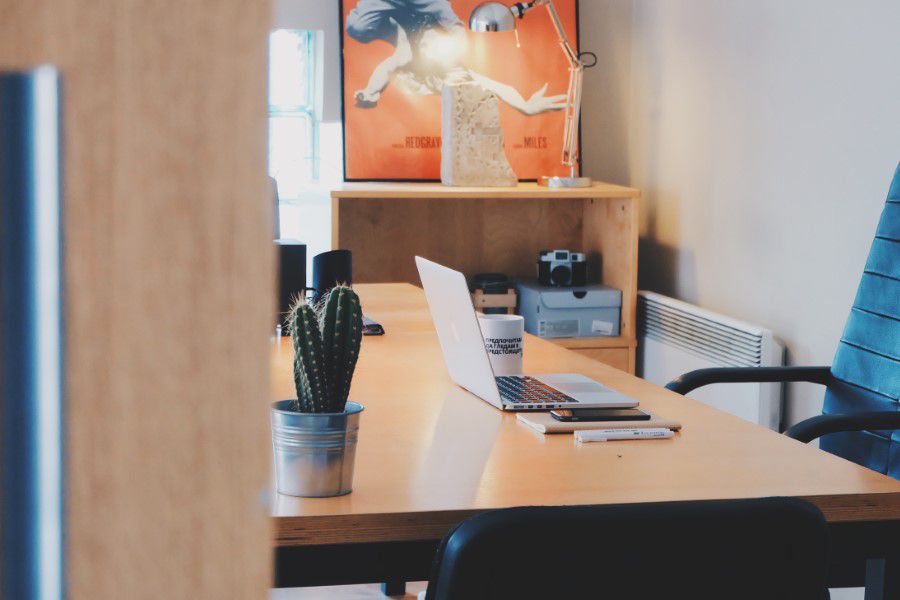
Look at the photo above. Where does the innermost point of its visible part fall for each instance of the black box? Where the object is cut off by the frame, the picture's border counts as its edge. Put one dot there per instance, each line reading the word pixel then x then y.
pixel 291 276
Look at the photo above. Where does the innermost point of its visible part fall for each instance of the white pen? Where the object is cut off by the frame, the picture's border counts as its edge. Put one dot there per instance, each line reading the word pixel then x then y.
pixel 608 435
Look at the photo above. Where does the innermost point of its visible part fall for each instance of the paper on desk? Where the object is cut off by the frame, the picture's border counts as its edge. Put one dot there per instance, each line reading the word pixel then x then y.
pixel 544 423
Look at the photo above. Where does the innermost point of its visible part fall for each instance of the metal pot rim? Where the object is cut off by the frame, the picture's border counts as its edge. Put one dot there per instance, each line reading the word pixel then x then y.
pixel 351 408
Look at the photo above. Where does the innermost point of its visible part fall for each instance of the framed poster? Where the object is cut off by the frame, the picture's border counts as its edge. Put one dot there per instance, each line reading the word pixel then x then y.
pixel 396 56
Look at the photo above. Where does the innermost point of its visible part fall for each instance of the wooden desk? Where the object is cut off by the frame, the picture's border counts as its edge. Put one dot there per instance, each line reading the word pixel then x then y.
pixel 478 230
pixel 430 455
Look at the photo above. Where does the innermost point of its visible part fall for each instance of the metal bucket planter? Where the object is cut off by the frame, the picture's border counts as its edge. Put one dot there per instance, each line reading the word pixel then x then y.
pixel 314 452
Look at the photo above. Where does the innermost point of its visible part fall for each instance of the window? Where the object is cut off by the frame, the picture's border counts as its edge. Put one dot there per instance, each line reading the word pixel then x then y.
pixel 299 139
pixel 293 126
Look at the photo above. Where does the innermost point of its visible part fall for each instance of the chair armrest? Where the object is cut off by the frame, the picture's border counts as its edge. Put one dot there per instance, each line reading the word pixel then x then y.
pixel 700 377
pixel 812 428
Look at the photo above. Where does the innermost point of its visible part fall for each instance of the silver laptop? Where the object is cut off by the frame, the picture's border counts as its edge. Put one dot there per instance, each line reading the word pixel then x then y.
pixel 469 366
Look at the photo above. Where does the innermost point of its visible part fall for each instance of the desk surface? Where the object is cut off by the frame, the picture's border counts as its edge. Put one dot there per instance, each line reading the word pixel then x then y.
pixel 430 454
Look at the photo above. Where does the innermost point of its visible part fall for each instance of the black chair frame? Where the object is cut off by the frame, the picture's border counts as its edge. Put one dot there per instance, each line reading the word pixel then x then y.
pixel 804 431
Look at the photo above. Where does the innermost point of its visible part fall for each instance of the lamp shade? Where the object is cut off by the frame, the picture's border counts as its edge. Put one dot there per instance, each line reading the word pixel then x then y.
pixel 492 16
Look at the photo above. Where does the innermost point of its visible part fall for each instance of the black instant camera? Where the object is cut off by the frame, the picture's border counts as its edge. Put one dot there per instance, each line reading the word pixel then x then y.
pixel 561 268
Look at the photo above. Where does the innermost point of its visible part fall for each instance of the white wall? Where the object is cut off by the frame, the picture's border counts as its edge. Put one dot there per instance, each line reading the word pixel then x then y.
pixel 764 134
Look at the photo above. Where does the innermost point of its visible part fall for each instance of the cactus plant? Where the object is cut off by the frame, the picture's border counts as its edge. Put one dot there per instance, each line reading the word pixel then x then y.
pixel 326 340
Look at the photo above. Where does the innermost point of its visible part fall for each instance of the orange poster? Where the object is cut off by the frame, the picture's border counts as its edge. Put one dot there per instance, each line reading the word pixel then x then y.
pixel 397 54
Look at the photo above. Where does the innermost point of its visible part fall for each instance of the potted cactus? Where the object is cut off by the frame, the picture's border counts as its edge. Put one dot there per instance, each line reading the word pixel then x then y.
pixel 314 435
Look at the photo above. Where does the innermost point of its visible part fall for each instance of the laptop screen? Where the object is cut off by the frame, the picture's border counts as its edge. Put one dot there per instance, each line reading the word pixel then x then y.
pixel 457 328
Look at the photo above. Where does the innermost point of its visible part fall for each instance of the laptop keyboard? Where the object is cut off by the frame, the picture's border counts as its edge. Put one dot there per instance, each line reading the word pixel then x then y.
pixel 521 389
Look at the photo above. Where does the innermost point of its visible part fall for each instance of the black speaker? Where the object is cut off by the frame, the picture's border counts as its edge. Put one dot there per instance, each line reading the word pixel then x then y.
pixel 330 269
pixel 291 276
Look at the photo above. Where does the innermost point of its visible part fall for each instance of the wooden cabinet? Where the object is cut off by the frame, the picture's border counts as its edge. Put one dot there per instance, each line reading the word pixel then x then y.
pixel 495 229
pixel 616 352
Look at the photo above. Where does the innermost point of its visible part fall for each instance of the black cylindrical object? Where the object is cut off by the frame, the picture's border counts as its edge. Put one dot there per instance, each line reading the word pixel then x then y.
pixel 491 283
pixel 330 269
pixel 291 276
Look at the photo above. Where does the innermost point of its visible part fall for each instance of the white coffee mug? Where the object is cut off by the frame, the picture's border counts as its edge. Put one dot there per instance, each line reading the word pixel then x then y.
pixel 503 341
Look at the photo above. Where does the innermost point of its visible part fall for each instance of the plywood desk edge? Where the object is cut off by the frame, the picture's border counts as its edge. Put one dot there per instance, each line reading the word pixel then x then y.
pixel 433 525
pixel 618 341
pixel 380 190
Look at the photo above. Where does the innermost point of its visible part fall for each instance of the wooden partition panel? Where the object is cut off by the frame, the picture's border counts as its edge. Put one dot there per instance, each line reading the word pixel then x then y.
pixel 169 289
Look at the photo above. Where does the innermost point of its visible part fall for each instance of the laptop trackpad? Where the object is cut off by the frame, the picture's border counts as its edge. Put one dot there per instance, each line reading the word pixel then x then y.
pixel 580 389
pixel 573 383
pixel 587 391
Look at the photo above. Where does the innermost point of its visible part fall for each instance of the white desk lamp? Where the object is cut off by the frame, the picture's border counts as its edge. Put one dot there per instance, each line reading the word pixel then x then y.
pixel 496 16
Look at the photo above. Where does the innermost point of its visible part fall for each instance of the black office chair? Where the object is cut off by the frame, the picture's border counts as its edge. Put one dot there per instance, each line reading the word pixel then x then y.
pixel 764 548
pixel 861 420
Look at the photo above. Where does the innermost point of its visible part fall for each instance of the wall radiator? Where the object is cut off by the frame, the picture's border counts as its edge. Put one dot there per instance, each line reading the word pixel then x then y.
pixel 675 337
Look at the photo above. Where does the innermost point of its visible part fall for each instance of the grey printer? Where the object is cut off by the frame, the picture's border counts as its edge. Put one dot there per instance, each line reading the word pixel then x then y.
pixel 554 312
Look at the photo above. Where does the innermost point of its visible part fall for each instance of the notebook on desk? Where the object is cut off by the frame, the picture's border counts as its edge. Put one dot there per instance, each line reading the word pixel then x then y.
pixel 543 422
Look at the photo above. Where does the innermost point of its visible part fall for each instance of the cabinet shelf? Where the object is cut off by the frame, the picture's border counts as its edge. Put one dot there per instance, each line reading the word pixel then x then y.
pixel 479 230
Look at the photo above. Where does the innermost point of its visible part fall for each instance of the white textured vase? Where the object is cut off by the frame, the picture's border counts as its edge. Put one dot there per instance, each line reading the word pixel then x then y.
pixel 471 138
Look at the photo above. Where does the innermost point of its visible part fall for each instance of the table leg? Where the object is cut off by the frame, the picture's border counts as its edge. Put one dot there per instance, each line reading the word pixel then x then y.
pixel 393 588
pixel 883 578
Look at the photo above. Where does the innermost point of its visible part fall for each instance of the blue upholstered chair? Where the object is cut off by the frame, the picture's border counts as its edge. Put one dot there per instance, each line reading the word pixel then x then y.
pixel 861 415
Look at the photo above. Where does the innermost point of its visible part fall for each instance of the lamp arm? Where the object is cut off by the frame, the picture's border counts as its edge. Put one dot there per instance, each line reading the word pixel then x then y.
pixel 520 8
pixel 576 75
pixel 573 94
pixel 564 43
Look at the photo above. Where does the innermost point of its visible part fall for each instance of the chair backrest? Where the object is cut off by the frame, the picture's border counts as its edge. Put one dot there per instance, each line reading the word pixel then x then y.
pixel 866 368
pixel 763 548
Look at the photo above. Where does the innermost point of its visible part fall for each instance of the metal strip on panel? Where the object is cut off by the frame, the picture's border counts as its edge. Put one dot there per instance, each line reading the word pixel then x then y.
pixel 31 388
